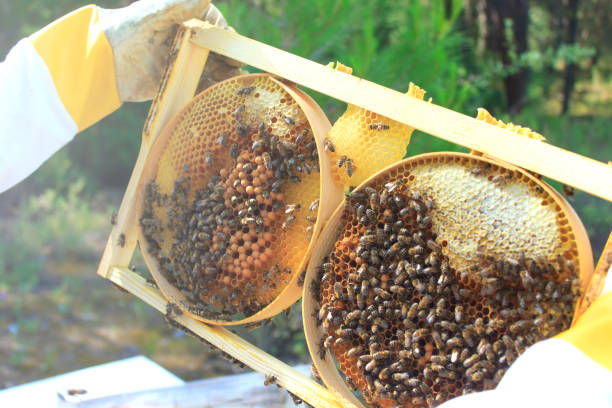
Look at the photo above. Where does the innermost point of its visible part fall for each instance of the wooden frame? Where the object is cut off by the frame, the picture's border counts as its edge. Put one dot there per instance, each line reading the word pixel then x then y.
pixel 188 56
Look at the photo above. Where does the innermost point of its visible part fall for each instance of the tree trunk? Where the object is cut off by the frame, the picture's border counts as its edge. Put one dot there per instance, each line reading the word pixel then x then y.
pixel 498 11
pixel 570 69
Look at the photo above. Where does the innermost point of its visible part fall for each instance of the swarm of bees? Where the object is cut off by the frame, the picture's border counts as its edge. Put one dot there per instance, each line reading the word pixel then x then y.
pixel 408 329
pixel 221 236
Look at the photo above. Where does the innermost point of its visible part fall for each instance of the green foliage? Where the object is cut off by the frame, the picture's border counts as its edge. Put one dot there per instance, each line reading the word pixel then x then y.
pixel 388 42
pixel 50 225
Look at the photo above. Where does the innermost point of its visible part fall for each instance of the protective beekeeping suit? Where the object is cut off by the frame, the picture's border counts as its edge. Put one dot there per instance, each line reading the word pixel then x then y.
pixel 81 67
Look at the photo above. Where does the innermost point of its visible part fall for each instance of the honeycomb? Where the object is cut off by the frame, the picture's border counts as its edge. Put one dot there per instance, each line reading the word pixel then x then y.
pixel 362 142
pixel 485 116
pixel 230 209
pixel 437 273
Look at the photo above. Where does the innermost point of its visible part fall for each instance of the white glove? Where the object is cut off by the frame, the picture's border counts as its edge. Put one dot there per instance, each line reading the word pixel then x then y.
pixel 141 35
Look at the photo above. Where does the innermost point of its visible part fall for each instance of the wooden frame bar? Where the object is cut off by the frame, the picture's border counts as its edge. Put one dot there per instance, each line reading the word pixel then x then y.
pixel 586 174
pixel 286 376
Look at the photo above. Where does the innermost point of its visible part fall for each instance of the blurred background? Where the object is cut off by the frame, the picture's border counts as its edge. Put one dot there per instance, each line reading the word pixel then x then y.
pixel 545 64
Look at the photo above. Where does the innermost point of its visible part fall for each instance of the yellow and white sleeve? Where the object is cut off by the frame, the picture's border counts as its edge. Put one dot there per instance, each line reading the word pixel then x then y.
pixel 54 84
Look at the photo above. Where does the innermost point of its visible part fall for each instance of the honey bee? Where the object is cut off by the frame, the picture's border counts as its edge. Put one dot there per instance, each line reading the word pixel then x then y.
pixel 379 126
pixel 242 130
pixel 314 205
pixel 245 91
pixel 234 152
pixel 289 120
pixel 342 160
pixel 113 218
pixel 208 158
pixel 222 139
pixel 328 145
pixel 501 179
pixel 291 208
pixel 76 391
pixel 300 136
pixel 270 379
pixel 121 240
pixel 349 167
pixel 288 221
pixel 568 191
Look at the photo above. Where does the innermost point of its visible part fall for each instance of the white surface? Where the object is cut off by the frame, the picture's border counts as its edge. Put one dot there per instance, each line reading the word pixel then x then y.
pixel 132 374
pixel 34 123
pixel 551 373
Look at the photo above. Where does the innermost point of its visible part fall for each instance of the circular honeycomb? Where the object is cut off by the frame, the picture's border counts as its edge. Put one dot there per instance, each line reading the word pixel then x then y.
pixel 230 198
pixel 436 274
pixel 362 143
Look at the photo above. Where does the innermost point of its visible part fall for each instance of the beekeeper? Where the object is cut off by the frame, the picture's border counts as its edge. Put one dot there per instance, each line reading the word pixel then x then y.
pixel 80 68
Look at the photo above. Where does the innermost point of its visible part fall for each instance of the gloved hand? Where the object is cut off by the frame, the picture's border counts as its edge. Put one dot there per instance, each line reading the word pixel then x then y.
pixel 141 35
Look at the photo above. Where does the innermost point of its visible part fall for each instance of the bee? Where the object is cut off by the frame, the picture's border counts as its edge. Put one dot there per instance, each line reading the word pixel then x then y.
pixel 354 352
pixel 222 139
pixel 172 310
pixel 121 240
pixel 310 218
pixel 476 171
pixel 327 343
pixel 437 339
pixel 245 91
pixel 257 145
pixel 314 373
pixel 289 120
pixel 328 145
pixel 341 160
pixel 419 334
pixel 287 145
pixel 291 208
pixel 238 113
pixel 519 326
pixel 458 313
pixel 288 221
pixel 338 290
pixel 568 191
pixel 234 152
pixel 270 379
pixel 242 130
pixel 361 304
pixel 76 391
pixel 113 218
pixel 349 167
pixel 301 279
pixel 500 179
pixel 208 158
pixel 434 246
pixel 314 205
pixel 267 160
pixel 350 384
pixel 379 126
pixel 300 136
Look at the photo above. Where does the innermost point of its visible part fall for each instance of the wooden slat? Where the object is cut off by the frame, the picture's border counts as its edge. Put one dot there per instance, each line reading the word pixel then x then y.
pixel 569 168
pixel 177 87
pixel 257 359
pixel 598 284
